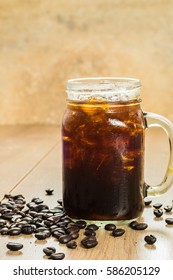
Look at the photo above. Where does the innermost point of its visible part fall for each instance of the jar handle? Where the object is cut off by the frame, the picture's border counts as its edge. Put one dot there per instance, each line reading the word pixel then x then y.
pixel 156 120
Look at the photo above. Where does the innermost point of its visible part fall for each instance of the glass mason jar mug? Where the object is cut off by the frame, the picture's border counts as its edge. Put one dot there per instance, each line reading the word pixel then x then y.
pixel 103 150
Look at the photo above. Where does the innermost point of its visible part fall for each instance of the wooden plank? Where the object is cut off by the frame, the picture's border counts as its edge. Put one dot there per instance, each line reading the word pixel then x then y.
pixel 21 149
pixel 130 246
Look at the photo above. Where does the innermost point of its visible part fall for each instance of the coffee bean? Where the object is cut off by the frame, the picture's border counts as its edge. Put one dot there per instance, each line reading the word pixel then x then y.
pixel 133 224
pixel 13 246
pixel 71 244
pixel 2 223
pixel 40 207
pixel 168 208
pixel 27 229
pixel 49 250
pixel 67 220
pixel 7 216
pixel 20 201
pixel 57 256
pixel 92 226
pixel 169 221
pixel 54 228
pixel 4 231
pixel 138 226
pixel 38 221
pixel 150 239
pixel 158 212
pixel 61 230
pixel 59 201
pixel 46 215
pixel 141 226
pixel 49 191
pixel 58 208
pixel 72 229
pixel 64 238
pixel 110 227
pixel 47 233
pixel 8 195
pixel 41 235
pixel 8 205
pixel 81 224
pixel 61 224
pixel 27 219
pixel 147 201
pixel 118 232
pixel 89 242
pixel 18 196
pixel 56 234
pixel 157 205
pixel 16 218
pixel 74 235
pixel 40 229
pixel 37 200
pixel 48 223
pixel 14 231
pixel 89 232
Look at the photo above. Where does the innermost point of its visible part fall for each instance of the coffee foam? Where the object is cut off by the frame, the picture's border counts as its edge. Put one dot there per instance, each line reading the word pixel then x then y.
pixel 104 89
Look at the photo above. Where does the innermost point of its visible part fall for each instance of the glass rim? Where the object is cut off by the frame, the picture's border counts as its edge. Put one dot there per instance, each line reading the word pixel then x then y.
pixel 103 81
pixel 107 88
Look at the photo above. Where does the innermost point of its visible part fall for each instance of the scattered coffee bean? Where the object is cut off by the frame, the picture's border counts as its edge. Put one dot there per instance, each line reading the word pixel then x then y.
pixel 13 246
pixel 2 223
pixel 133 224
pixel 71 244
pixel 81 224
pixel 18 196
pixel 37 200
pixel 92 226
pixel 158 213
pixel 138 226
pixel 141 226
pixel 49 250
pixel 41 235
pixel 7 215
pixel 57 256
pixel 118 232
pixel 74 235
pixel 20 217
pixel 40 229
pixel 8 195
pixel 147 201
pixel 56 234
pixel 150 239
pixel 89 232
pixel 89 242
pixel 27 229
pixel 157 205
pixel 49 191
pixel 65 238
pixel 110 227
pixel 168 208
pixel 40 207
pixel 66 220
pixel 59 201
pixel 14 231
pixel 169 221
pixel 4 231
pixel 72 228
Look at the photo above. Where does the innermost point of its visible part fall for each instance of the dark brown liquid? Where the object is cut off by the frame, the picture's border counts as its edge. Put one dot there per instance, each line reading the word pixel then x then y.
pixel 103 161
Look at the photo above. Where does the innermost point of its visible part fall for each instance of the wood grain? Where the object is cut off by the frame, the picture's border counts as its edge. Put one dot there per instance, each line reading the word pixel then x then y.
pixel 21 149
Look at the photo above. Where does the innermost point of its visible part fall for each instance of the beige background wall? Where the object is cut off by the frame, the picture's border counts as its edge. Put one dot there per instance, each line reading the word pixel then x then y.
pixel 45 42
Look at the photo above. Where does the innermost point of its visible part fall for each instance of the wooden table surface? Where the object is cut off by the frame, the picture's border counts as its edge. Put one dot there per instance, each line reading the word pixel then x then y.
pixel 30 162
